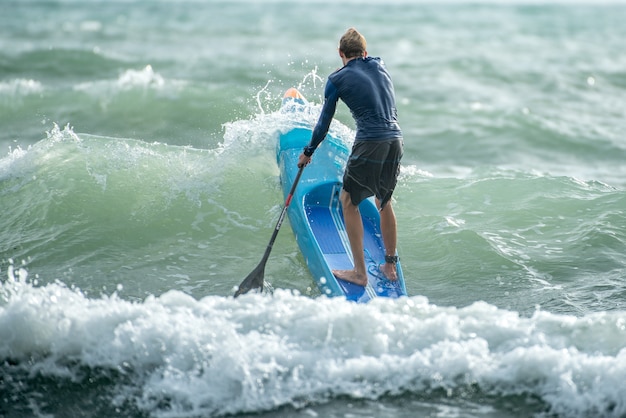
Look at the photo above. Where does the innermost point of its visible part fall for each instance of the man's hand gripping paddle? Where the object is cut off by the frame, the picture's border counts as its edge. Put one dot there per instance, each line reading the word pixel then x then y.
pixel 255 278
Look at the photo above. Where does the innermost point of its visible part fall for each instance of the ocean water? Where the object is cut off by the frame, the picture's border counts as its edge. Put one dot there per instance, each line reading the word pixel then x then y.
pixel 139 186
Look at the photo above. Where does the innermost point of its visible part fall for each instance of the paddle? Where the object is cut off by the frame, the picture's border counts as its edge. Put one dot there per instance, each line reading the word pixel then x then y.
pixel 255 278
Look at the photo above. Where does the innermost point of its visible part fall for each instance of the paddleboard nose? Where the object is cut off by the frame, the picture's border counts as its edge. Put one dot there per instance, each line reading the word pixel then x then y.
pixel 293 95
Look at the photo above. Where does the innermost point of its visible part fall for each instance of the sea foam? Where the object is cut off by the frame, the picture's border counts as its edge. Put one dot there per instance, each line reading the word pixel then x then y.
pixel 220 355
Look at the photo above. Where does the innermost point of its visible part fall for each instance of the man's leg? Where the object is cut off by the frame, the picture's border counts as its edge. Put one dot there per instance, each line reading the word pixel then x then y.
pixel 354 228
pixel 390 236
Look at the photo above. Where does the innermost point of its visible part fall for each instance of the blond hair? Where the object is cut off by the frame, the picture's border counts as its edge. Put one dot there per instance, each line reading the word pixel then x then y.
pixel 352 44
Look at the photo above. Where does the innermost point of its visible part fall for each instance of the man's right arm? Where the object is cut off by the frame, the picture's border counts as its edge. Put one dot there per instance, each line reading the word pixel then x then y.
pixel 331 96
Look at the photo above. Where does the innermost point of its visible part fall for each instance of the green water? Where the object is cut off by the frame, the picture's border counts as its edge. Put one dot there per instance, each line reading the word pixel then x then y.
pixel 138 187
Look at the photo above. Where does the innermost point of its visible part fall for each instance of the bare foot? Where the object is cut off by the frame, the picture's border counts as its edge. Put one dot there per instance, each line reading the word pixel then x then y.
pixel 389 270
pixel 351 276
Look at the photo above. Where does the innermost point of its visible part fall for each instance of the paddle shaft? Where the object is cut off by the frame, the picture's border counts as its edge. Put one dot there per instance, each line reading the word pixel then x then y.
pixel 255 278
pixel 281 218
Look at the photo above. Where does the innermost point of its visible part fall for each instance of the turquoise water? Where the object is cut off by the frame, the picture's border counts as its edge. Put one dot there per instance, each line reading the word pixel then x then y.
pixel 138 187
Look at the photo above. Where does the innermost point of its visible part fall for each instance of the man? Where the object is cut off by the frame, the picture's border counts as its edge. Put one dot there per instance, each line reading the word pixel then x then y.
pixel 364 85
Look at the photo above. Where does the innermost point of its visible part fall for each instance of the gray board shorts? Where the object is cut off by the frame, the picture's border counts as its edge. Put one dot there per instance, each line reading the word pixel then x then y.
pixel 372 170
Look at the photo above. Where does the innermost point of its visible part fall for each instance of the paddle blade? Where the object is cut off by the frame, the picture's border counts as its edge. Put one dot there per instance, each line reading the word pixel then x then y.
pixel 253 281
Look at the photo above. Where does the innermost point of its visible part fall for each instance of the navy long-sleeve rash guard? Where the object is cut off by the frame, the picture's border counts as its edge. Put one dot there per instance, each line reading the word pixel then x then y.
pixel 364 85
